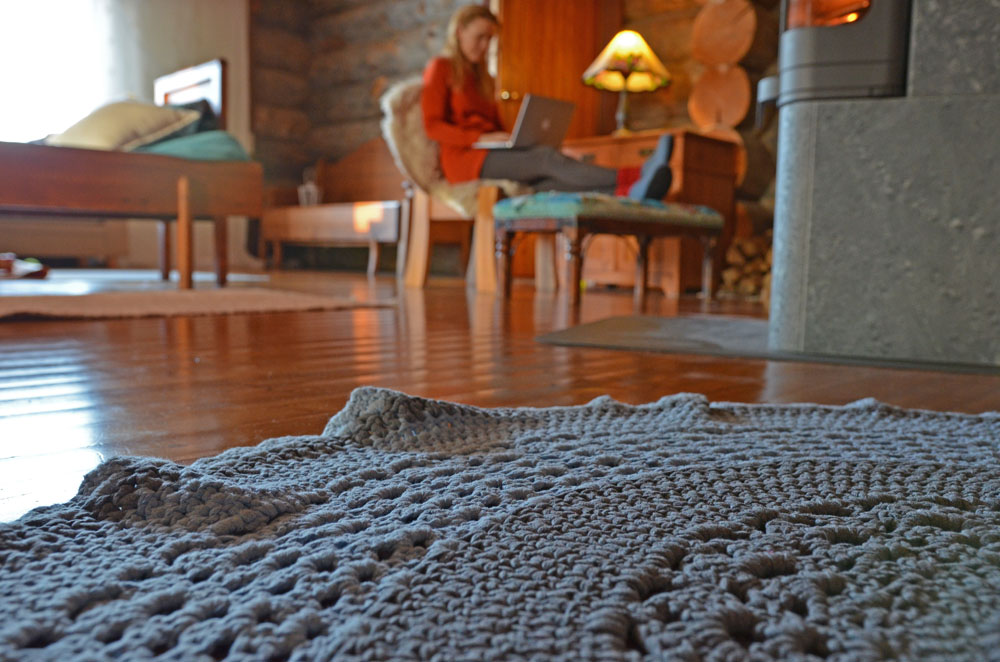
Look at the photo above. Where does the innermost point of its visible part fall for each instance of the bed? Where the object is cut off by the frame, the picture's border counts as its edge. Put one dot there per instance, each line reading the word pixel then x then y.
pixel 43 181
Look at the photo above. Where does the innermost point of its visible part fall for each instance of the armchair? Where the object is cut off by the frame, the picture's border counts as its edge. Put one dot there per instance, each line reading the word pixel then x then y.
pixel 436 203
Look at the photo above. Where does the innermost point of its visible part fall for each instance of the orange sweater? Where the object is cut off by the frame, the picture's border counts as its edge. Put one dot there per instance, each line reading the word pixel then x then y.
pixel 456 119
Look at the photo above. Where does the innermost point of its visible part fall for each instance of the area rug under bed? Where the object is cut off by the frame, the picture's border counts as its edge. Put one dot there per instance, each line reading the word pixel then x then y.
pixel 418 529
pixel 168 303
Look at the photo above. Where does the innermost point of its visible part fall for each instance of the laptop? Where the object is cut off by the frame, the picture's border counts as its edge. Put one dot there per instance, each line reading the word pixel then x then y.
pixel 540 121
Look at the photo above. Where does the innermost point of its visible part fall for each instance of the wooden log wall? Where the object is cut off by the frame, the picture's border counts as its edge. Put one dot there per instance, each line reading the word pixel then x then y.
pixel 359 49
pixel 279 61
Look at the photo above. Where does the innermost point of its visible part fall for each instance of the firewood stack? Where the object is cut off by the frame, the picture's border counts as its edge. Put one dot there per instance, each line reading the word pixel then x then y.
pixel 748 267
pixel 747 273
pixel 737 42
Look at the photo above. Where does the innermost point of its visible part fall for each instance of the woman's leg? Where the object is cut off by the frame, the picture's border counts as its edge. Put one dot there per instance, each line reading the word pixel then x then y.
pixel 545 168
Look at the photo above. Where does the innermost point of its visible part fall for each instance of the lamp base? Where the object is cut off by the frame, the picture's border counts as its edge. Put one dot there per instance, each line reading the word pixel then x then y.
pixel 621 114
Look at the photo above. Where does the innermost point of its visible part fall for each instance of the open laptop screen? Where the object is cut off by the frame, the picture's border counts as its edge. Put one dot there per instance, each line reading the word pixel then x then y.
pixel 540 121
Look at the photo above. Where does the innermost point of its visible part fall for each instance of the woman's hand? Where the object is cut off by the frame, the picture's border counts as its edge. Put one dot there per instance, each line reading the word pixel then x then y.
pixel 494 137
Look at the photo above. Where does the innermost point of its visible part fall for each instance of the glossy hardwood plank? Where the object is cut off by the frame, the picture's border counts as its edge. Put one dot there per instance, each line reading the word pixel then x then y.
pixel 75 392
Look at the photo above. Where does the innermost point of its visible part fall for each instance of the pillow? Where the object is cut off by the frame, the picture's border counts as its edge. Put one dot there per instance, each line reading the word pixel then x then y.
pixel 208 121
pixel 125 125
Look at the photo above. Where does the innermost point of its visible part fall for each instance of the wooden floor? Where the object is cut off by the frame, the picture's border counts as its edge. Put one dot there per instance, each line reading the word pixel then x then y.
pixel 75 392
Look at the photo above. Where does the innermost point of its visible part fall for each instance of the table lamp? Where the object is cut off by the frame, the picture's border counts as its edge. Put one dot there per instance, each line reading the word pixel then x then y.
pixel 627 64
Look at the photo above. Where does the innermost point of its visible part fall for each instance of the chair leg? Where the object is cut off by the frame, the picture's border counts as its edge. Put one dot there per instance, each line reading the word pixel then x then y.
pixel 404 236
pixel 418 252
pixel 481 269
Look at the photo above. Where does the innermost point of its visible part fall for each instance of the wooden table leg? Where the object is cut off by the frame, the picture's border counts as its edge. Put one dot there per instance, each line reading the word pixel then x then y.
pixel 641 272
pixel 504 257
pixel 184 234
pixel 574 263
pixel 221 249
pixel 163 230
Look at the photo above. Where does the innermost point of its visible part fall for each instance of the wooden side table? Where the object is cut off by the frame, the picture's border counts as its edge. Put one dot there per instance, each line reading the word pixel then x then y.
pixel 704 173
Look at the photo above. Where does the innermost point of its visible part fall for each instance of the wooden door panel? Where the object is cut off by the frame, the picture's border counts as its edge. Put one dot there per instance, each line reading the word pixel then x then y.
pixel 545 46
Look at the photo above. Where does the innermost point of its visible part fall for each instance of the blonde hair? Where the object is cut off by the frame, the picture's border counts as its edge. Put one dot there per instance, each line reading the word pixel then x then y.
pixel 459 64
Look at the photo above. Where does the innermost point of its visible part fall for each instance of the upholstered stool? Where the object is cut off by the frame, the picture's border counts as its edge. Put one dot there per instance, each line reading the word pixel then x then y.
pixel 576 215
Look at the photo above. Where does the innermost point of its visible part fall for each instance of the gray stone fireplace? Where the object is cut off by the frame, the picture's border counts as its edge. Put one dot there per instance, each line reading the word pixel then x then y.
pixel 887 225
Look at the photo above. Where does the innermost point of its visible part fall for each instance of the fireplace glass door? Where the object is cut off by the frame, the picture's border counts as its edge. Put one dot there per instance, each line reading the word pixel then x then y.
pixel 817 13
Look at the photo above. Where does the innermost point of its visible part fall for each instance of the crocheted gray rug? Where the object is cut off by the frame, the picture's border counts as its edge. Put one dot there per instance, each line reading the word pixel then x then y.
pixel 417 529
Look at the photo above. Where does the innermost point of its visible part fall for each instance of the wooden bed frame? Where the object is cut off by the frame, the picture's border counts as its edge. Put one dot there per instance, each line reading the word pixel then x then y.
pixel 44 181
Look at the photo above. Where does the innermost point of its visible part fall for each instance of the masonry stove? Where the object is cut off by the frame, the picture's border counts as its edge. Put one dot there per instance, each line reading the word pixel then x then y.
pixel 887 218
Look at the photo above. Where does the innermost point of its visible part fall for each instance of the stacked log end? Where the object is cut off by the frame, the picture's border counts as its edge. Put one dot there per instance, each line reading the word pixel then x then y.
pixel 737 42
pixel 750 264
pixel 747 274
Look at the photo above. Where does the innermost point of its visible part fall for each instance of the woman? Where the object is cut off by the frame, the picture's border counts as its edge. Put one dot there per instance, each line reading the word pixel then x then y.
pixel 459 109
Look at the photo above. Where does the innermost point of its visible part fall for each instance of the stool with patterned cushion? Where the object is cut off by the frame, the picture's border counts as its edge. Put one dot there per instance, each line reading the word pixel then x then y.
pixel 577 215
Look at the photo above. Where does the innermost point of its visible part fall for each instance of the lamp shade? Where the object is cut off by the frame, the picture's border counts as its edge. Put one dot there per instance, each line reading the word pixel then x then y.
pixel 627 63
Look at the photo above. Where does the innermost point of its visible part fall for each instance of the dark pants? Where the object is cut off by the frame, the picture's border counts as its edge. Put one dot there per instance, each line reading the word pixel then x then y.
pixel 546 169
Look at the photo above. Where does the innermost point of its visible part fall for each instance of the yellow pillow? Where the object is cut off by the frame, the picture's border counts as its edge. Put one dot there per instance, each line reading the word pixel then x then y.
pixel 124 125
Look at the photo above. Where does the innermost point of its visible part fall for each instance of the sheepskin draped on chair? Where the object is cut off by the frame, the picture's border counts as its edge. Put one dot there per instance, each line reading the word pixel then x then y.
pixel 417 157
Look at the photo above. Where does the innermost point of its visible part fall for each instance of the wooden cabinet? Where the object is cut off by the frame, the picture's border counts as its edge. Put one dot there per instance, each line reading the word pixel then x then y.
pixel 704 172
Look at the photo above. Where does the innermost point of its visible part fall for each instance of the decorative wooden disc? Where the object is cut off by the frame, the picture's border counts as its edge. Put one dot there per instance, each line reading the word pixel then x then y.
pixel 721 96
pixel 723 32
